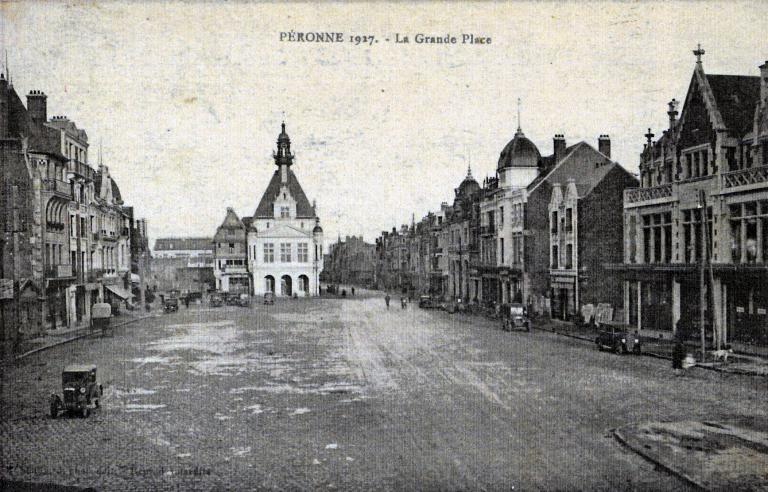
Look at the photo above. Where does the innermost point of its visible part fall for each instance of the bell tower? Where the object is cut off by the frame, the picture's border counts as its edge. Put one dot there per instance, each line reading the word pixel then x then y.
pixel 283 157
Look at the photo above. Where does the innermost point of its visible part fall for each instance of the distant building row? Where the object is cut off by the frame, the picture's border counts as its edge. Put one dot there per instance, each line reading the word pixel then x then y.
pixel 68 240
pixel 574 228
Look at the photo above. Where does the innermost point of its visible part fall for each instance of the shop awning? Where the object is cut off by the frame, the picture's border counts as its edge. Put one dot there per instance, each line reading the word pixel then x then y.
pixel 119 291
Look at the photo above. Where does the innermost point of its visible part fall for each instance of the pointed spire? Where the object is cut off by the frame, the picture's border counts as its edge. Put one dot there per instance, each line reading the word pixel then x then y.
pixel 8 69
pixel 101 162
pixel 519 122
pixel 469 172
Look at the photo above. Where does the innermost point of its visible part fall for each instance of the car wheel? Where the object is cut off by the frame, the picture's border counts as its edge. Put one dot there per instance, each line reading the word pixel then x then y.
pixel 85 412
pixel 617 349
pixel 54 410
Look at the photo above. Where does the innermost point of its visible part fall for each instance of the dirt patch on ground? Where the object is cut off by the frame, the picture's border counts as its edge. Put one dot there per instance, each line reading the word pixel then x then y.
pixel 716 455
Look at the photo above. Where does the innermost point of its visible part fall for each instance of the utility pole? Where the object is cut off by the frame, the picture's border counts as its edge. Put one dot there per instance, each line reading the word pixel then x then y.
pixel 702 260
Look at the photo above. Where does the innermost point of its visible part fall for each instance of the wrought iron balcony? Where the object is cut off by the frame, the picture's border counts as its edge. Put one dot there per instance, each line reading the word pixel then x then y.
pixel 58 187
pixel 59 271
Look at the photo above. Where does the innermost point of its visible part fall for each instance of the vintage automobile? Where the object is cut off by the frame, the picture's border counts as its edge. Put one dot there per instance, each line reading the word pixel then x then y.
pixel 171 305
pixel 244 300
pixel 216 300
pixel 101 315
pixel 514 317
pixel 618 340
pixel 428 302
pixel 232 298
pixel 269 298
pixel 81 391
pixel 454 306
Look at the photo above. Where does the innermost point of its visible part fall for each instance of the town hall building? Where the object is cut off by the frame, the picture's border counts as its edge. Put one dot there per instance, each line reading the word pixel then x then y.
pixel 283 238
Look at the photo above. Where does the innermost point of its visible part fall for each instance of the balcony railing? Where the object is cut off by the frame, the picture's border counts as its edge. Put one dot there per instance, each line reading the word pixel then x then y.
pixel 59 187
pixel 744 177
pixel 662 193
pixel 59 271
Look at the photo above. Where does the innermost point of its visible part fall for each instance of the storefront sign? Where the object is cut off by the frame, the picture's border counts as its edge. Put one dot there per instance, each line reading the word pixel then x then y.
pixel 739 309
pixel 760 310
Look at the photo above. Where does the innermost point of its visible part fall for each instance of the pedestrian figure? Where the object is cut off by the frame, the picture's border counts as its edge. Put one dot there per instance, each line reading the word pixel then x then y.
pixel 186 302
pixel 678 355
pixel 353 291
pixel 386 300
pixel 403 302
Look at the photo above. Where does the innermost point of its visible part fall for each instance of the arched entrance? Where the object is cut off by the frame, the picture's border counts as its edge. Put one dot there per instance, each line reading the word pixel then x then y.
pixel 286 287
pixel 304 284
pixel 269 284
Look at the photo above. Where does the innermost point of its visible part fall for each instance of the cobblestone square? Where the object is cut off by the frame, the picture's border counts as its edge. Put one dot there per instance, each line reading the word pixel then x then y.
pixel 346 394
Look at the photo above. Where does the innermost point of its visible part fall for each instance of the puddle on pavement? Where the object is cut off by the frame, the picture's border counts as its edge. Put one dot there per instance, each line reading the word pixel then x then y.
pixel 142 407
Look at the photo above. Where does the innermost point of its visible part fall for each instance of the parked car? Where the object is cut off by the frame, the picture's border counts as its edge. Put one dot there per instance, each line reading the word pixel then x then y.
pixel 171 305
pixel 618 340
pixel 216 300
pixel 244 300
pixel 269 298
pixel 454 306
pixel 80 389
pixel 514 317
pixel 232 299
pixel 428 302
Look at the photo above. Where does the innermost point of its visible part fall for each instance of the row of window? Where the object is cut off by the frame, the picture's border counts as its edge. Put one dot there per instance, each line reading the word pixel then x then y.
pixel 286 253
pixel 565 224
pixel 568 260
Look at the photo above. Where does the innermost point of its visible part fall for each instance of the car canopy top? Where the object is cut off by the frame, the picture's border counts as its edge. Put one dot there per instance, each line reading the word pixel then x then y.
pixel 80 368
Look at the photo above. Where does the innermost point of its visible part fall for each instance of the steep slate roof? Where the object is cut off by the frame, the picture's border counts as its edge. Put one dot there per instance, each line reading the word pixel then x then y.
pixel 736 97
pixel 183 243
pixel 231 221
pixel 266 205
pixel 582 163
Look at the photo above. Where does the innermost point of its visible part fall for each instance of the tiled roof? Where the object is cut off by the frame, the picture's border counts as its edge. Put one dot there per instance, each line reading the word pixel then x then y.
pixel 266 205
pixel 584 164
pixel 736 97
pixel 183 243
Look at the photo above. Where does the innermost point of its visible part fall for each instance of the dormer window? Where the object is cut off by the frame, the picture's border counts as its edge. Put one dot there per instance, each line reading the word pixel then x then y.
pixel 285 212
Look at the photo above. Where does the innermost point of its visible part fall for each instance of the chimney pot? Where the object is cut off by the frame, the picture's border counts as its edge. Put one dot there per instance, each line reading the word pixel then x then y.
pixel 604 145
pixel 558 144
pixel 37 106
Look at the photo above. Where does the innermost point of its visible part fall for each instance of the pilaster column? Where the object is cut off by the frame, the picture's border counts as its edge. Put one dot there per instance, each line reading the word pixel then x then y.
pixel 639 305
pixel 675 304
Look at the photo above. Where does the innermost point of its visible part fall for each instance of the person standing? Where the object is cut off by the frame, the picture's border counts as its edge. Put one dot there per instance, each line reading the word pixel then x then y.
pixel 386 300
pixel 678 355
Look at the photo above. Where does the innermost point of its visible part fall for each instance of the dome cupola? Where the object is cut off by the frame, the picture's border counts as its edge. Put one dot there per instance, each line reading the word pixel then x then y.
pixel 519 152
pixel 469 185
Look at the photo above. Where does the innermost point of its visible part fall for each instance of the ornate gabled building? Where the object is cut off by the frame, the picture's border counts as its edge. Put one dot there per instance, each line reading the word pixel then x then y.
pixel 713 158
pixel 284 238
pixel 66 234
pixel 230 266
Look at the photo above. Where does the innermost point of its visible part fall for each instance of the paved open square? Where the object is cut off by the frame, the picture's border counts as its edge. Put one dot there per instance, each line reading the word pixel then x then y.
pixel 345 394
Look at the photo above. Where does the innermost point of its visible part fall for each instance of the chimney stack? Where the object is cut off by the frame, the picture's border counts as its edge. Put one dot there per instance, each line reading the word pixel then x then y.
pixel 764 81
pixel 672 112
pixel 604 145
pixel 37 105
pixel 558 144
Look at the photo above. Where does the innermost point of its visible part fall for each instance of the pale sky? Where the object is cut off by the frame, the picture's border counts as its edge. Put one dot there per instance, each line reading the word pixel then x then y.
pixel 187 98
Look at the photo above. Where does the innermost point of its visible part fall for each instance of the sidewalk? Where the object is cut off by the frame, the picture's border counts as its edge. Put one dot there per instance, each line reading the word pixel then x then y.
pixel 52 338
pixel 712 455
pixel 737 363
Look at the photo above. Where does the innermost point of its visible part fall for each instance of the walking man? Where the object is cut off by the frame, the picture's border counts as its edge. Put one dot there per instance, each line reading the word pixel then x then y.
pixel 386 300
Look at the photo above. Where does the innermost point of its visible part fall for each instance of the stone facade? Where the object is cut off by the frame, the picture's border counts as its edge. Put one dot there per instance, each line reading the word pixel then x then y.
pixel 714 157
pixel 67 236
